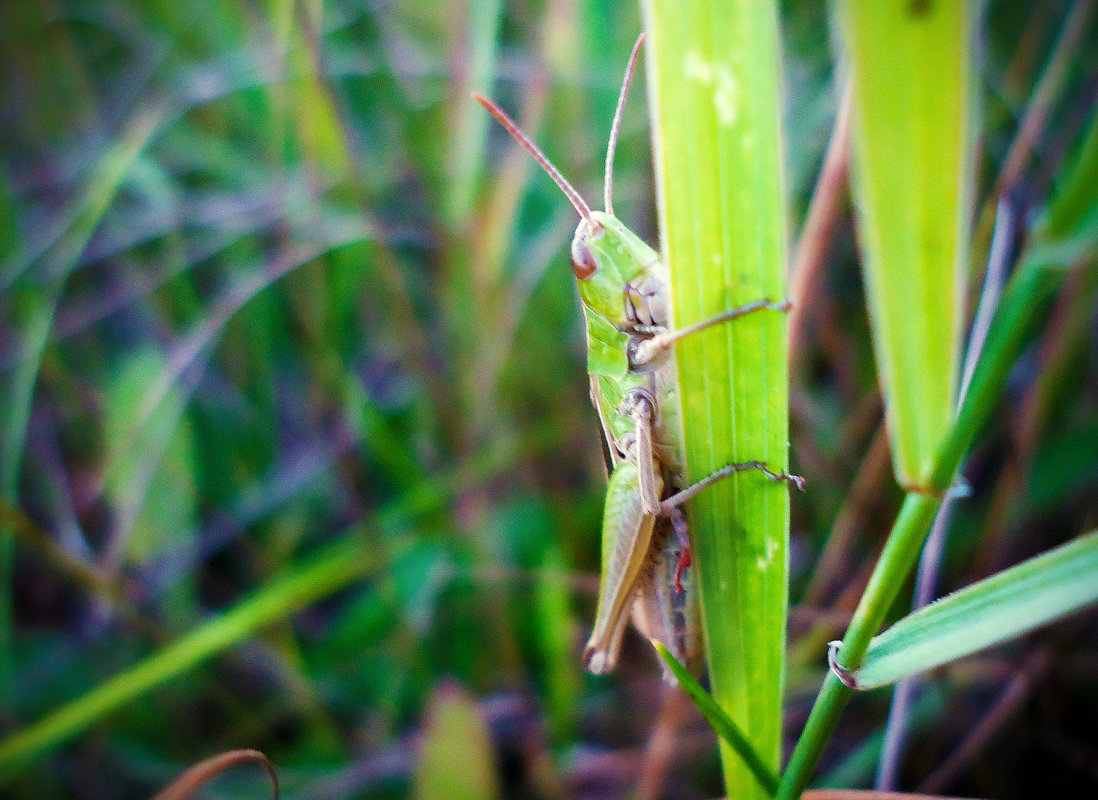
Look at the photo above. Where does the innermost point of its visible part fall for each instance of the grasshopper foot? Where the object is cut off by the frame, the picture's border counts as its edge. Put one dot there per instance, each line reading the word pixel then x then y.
pixel 795 480
pixel 777 477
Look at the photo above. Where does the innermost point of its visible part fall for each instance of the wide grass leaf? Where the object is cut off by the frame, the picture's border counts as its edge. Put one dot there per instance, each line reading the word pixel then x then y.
pixel 996 609
pixel 713 88
pixel 912 173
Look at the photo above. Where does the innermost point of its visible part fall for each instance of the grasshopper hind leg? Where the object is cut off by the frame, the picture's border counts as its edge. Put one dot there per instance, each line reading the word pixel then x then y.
pixel 677 499
pixel 628 530
pixel 598 659
pixel 678 523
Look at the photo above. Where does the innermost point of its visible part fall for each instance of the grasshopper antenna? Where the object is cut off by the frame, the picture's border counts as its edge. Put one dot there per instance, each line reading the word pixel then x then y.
pixel 608 182
pixel 520 137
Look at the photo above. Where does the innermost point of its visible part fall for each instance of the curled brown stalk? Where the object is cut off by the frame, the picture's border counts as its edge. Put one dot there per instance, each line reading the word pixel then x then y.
pixel 197 776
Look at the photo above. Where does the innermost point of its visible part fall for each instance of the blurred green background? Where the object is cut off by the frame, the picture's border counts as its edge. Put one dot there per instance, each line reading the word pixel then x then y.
pixel 270 285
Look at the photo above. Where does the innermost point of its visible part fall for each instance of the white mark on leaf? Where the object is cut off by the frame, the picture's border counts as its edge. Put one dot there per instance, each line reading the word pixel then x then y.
pixel 697 68
pixel 762 562
pixel 720 79
pixel 725 96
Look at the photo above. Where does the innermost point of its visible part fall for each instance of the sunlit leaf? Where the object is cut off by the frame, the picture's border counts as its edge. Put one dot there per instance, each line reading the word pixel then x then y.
pixel 994 610
pixel 912 134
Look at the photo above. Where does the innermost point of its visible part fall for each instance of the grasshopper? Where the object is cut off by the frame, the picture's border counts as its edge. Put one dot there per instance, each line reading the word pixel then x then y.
pixel 625 291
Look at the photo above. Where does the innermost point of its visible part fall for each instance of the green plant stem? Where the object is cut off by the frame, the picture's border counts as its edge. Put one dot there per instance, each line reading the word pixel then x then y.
pixel 899 556
pixel 1024 307
pixel 1021 312
pixel 900 553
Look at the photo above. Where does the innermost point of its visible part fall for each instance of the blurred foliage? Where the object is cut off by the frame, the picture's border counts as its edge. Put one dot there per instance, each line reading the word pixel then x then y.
pixel 456 753
pixel 265 286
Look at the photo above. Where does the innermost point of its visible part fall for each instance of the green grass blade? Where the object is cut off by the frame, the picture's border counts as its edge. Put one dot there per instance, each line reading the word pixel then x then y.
pixel 999 608
pixel 333 569
pixel 728 730
pixel 912 175
pixel 713 86
pixel 470 126
pixel 1068 229
pixel 36 303
pixel 559 632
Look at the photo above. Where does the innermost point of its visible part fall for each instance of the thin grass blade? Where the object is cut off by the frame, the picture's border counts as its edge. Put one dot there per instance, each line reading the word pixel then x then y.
pixel 720 722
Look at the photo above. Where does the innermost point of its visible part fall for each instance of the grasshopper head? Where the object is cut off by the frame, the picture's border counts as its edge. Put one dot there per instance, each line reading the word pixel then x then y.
pixel 613 267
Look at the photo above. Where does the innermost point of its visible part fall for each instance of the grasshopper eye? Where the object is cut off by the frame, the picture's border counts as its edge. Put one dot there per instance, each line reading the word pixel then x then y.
pixel 584 264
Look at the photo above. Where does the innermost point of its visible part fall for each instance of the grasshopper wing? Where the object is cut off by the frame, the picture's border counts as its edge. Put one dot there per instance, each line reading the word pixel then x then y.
pixel 626 537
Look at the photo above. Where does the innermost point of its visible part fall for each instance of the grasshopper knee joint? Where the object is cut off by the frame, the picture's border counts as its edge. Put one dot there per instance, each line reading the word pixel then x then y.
pixel 640 405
